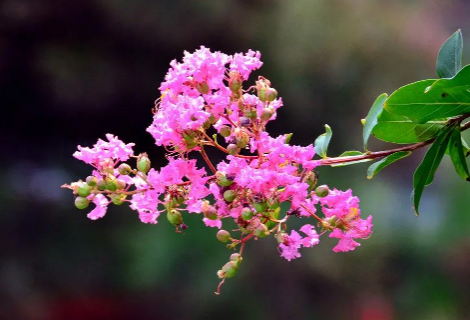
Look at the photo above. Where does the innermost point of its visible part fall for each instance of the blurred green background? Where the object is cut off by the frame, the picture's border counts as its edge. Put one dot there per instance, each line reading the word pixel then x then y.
pixel 72 71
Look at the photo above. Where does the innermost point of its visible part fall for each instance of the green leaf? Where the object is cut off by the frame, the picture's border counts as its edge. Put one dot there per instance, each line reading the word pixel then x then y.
pixel 457 154
pixel 449 59
pixel 371 119
pixel 400 129
pixel 350 154
pixel 424 174
pixel 322 142
pixel 379 165
pixel 428 100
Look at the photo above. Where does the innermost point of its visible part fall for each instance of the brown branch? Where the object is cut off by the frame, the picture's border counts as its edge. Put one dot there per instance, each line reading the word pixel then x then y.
pixel 381 154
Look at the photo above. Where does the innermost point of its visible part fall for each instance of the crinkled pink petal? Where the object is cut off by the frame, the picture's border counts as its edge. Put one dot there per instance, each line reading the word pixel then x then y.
pixel 213 223
pixel 101 206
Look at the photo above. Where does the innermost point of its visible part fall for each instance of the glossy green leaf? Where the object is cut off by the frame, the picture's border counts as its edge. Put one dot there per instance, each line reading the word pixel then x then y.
pixel 424 174
pixel 350 154
pixel 400 129
pixel 457 154
pixel 322 142
pixel 428 100
pixel 449 59
pixel 371 119
pixel 379 165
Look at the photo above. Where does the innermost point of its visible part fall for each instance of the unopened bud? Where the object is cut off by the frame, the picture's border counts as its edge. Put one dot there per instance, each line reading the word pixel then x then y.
pixel 211 213
pixel 228 270
pixel 101 184
pixel 124 169
pixel 235 257
pixel 267 113
pixel 247 214
pixel 270 94
pixel 262 94
pixel 81 202
pixel 91 181
pixel 261 231
pixel 118 199
pixel 251 114
pixel 225 131
pixel 242 140
pixel 111 184
pixel 232 149
pixel 174 216
pixel 143 163
pixel 120 184
pixel 223 236
pixel 223 180
pixel 229 195
pixel 235 81
pixel 83 189
pixel 322 191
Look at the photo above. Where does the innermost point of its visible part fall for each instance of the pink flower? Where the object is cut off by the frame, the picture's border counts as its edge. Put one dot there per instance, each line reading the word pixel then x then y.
pixel 291 245
pixel 114 149
pixel 213 223
pixel 146 204
pixel 312 236
pixel 245 63
pixel 101 206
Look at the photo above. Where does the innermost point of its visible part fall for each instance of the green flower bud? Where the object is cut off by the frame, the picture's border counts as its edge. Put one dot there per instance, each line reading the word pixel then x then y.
pixel 124 169
pixel 83 189
pixel 242 140
pixel 262 94
pixel 235 257
pixel 228 270
pixel 174 216
pixel 270 94
pixel 251 114
pixel 111 184
pixel 267 113
pixel 260 205
pixel 101 184
pixel 322 191
pixel 143 163
pixel 225 131
pixel 81 202
pixel 223 236
pixel 211 213
pixel 235 81
pixel 222 179
pixel 233 149
pixel 120 184
pixel 261 231
pixel 247 214
pixel 229 195
pixel 202 87
pixel 91 181
pixel 118 199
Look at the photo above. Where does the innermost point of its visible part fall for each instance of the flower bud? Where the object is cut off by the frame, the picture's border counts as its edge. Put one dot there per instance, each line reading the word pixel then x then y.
pixel 143 163
pixel 223 180
pixel 111 183
pixel 259 204
pixel 81 202
pixel 322 191
pixel 262 94
pixel 120 184
pixel 225 131
pixel 202 87
pixel 101 184
pixel 211 213
pixel 83 189
pixel 228 270
pixel 235 257
pixel 247 214
pixel 267 113
pixel 242 140
pixel 174 216
pixel 233 149
pixel 270 94
pixel 229 195
pixel 118 199
pixel 91 181
pixel 251 114
pixel 223 236
pixel 235 81
pixel 124 169
pixel 261 231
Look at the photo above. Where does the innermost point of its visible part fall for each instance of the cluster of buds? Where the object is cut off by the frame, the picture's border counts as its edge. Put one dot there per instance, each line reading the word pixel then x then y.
pixel 262 183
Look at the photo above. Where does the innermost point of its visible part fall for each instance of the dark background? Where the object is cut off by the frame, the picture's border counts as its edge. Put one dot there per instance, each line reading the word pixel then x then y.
pixel 70 72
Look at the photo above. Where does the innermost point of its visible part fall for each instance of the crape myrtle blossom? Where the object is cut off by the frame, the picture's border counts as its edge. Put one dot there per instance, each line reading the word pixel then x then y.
pixel 260 184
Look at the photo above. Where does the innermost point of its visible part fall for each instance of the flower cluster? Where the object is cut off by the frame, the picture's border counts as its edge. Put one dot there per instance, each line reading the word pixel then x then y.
pixel 261 184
